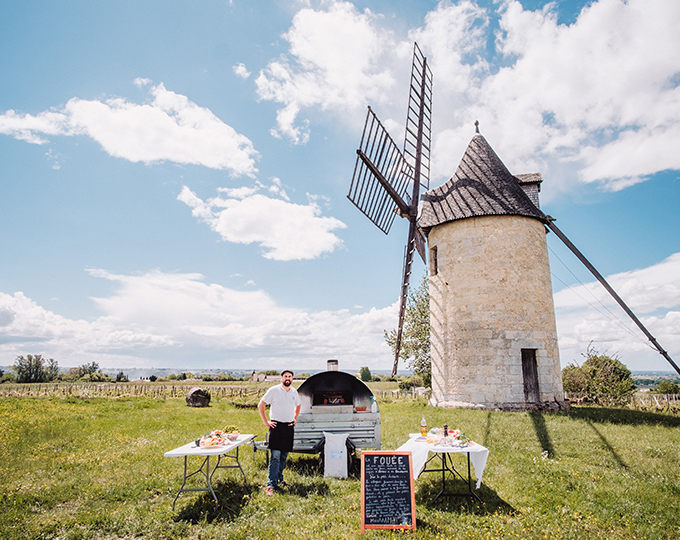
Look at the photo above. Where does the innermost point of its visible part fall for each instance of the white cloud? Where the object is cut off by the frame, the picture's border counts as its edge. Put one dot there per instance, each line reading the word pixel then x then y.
pixel 652 293
pixel 594 101
pixel 334 62
pixel 594 91
pixel 141 82
pixel 159 314
pixel 25 324
pixel 241 71
pixel 277 189
pixel 285 230
pixel 168 128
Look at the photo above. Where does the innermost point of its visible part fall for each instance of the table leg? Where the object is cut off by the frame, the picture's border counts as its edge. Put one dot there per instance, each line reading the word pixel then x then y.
pixel 447 466
pixel 443 458
pixel 237 466
pixel 205 468
pixel 208 477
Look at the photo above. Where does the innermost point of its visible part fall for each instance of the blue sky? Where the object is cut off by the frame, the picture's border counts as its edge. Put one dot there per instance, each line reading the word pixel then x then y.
pixel 174 179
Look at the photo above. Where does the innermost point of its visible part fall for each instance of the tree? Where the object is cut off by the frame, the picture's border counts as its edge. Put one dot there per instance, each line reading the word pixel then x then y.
pixel 667 387
pixel 365 374
pixel 407 383
pixel 601 377
pixel 35 368
pixel 87 369
pixel 415 340
pixel 51 369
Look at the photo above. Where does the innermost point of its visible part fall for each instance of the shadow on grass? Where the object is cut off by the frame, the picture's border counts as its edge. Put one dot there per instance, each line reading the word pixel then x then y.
pixel 542 433
pixel 302 489
pixel 491 501
pixel 622 416
pixel 487 432
pixel 313 465
pixel 232 497
pixel 608 446
pixel 307 465
pixel 592 415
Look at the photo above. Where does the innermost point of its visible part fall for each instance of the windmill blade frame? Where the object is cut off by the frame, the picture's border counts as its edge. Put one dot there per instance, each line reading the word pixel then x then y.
pixel 418 133
pixel 381 176
pixel 417 149
pixel 382 173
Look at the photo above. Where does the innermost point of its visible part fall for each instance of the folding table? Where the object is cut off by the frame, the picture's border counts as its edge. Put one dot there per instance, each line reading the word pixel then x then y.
pixel 191 449
pixel 420 449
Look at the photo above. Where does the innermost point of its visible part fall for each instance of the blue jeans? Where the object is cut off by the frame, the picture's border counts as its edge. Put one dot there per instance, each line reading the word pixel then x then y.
pixel 277 462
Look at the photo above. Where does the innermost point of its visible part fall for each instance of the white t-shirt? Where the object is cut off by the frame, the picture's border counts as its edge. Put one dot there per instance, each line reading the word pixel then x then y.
pixel 282 402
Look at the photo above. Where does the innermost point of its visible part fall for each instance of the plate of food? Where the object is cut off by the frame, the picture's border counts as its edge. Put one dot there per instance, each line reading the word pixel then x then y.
pixel 215 438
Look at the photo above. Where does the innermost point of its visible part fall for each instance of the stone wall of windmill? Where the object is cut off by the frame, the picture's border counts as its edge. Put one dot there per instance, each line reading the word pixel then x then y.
pixel 493 332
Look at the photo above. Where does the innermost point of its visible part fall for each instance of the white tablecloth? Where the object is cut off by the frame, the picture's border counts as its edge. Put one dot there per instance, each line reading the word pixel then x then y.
pixel 420 449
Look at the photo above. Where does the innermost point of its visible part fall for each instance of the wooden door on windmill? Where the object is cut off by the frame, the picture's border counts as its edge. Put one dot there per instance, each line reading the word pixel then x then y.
pixel 530 373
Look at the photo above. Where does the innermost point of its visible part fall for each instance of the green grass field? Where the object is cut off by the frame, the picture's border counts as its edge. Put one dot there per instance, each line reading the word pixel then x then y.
pixel 94 468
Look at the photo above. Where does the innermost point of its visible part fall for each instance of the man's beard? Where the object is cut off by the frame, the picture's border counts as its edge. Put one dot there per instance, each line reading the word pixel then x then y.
pixel 286 383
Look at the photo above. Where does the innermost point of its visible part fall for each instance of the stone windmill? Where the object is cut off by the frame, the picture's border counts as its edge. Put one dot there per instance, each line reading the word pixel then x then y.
pixel 492 320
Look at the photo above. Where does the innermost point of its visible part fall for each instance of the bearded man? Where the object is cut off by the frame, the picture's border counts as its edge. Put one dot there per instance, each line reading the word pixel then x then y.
pixel 284 403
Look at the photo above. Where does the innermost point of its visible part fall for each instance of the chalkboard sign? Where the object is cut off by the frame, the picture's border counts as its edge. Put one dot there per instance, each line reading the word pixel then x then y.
pixel 387 496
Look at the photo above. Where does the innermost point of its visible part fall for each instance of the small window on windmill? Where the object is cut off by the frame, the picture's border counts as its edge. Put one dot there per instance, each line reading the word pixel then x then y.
pixel 530 375
pixel 434 269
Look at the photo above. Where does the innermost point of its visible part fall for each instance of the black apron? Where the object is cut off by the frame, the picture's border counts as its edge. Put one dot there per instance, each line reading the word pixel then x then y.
pixel 281 437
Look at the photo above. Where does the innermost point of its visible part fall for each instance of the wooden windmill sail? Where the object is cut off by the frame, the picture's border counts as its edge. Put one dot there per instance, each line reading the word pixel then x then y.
pixel 387 181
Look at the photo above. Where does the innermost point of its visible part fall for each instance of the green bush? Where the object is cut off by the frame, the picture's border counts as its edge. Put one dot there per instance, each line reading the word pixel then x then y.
pixel 600 378
pixel 8 378
pixel 407 383
pixel 667 387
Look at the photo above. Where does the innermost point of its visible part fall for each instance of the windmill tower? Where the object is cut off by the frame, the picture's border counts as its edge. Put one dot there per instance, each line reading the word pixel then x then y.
pixel 383 174
pixel 492 319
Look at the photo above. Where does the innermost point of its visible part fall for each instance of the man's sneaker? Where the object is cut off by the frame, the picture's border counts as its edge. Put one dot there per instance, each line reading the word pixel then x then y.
pixel 283 483
pixel 270 491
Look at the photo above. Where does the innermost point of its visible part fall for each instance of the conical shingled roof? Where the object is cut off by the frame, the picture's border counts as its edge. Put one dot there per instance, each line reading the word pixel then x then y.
pixel 482 186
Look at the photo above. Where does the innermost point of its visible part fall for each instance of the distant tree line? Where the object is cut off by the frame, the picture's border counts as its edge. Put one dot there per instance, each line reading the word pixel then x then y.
pixel 33 368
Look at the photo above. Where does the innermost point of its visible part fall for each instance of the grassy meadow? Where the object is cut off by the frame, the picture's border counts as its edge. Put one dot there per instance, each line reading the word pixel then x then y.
pixel 75 468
